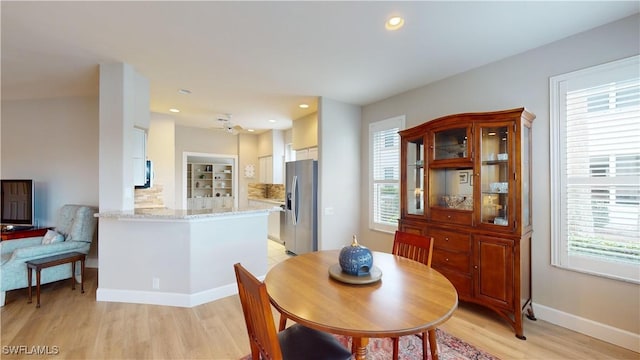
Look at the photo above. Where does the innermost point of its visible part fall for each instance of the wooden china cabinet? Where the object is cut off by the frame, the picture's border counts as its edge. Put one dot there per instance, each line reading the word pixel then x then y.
pixel 466 182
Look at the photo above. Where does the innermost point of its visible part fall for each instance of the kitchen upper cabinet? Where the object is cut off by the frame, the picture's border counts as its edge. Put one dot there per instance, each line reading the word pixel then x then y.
pixel 265 170
pixel 139 156
pixel 271 157
pixel 307 154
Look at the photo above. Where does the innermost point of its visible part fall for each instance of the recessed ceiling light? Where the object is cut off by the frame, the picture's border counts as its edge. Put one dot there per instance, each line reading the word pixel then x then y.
pixel 394 23
pixel 272 120
pixel 184 91
pixel 250 130
pixel 173 110
pixel 304 106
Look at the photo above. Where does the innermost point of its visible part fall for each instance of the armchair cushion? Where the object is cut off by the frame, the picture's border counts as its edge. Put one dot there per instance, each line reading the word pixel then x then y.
pixel 34 252
pixel 82 230
pixel 51 237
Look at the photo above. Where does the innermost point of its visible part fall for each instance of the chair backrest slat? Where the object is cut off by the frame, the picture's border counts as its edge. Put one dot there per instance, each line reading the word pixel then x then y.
pixel 256 307
pixel 413 246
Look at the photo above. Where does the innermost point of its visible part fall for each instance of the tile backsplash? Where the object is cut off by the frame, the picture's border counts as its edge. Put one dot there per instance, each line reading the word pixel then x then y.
pixel 150 197
pixel 275 191
pixel 266 191
pixel 257 190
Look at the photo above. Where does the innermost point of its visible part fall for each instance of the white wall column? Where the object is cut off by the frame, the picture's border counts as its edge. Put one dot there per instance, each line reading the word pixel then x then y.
pixel 122 95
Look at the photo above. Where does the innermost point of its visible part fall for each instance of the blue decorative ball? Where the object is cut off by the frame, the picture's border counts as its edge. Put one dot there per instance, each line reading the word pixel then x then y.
pixel 356 259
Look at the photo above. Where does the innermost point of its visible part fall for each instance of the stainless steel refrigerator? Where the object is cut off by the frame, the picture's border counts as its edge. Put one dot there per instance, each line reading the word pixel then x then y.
pixel 299 228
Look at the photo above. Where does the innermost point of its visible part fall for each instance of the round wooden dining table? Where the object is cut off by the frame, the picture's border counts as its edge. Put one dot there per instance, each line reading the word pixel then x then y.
pixel 409 298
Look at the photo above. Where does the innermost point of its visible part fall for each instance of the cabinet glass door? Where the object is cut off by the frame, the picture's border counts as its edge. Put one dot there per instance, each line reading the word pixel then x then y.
pixel 495 143
pixel 450 144
pixel 415 176
pixel 451 188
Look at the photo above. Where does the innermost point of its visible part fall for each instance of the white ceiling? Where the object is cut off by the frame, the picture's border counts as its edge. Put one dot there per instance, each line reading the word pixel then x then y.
pixel 259 60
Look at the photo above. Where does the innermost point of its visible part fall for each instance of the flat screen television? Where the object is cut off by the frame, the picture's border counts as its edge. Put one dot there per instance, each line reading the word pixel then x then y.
pixel 17 204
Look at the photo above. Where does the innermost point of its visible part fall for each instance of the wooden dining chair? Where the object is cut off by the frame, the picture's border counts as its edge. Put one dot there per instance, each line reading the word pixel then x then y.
pixel 418 248
pixel 293 343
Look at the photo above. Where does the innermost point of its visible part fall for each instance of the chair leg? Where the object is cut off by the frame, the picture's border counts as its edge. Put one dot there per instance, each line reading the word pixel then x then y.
pixel 424 338
pixel 255 351
pixel 283 322
pixel 433 345
pixel 395 347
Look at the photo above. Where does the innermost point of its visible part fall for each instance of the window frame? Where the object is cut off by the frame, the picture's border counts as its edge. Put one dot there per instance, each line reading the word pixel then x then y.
pixel 560 256
pixel 375 127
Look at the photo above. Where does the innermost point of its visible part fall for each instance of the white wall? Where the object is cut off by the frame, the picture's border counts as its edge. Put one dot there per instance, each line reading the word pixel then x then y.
pixel 305 132
pixel 339 181
pixel 248 150
pixel 583 302
pixel 55 143
pixel 160 149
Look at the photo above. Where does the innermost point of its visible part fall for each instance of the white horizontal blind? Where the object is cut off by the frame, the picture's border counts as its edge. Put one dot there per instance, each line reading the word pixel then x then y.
pixel 385 173
pixel 598 180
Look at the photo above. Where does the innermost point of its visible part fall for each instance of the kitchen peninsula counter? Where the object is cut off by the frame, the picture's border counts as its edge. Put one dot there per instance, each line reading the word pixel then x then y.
pixel 178 257
pixel 180 214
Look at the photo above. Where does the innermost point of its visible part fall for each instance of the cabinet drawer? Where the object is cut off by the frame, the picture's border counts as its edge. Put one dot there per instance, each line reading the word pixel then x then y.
pixel 452 241
pixel 461 282
pixel 451 260
pixel 451 216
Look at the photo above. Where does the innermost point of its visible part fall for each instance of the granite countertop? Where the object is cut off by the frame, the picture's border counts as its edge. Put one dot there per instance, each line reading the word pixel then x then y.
pixel 270 201
pixel 181 214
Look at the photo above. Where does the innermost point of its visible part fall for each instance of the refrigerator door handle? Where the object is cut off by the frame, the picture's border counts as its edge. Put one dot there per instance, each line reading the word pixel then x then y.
pixel 294 200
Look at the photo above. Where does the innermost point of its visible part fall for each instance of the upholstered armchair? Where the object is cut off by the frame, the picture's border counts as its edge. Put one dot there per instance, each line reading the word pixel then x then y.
pixel 74 231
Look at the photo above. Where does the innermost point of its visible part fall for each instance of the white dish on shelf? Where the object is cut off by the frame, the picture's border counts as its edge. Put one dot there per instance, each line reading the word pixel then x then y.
pixel 500 221
pixel 499 187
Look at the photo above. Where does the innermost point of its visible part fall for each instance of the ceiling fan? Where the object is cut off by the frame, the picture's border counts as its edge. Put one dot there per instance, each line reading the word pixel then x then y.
pixel 228 126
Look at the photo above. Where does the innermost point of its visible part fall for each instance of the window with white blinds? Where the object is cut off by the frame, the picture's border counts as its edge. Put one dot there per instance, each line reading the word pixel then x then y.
pixel 384 184
pixel 595 170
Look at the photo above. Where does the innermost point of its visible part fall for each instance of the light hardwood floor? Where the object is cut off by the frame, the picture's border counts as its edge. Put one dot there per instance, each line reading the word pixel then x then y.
pixel 77 327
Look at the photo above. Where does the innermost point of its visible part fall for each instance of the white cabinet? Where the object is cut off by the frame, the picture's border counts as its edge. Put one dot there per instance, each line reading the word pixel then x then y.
pixel 306 154
pixel 274 219
pixel 209 186
pixel 265 169
pixel 200 203
pixel 271 157
pixel 274 226
pixel 271 170
pixel 139 155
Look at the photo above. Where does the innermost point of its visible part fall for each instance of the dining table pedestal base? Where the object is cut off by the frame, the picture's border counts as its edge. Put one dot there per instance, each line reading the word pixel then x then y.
pixel 359 348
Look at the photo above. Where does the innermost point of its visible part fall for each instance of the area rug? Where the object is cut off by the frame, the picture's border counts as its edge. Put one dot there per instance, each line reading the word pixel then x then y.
pixel 410 348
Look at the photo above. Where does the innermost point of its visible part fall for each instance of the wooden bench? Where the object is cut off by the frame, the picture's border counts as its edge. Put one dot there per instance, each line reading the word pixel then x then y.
pixel 49 261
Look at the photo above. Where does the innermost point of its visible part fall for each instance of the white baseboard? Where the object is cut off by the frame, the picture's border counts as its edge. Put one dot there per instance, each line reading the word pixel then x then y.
pixel 164 298
pixel 604 332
